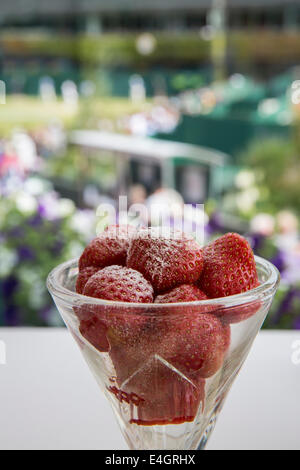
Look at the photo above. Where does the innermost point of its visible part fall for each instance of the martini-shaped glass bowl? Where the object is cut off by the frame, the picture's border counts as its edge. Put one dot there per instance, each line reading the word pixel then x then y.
pixel 166 369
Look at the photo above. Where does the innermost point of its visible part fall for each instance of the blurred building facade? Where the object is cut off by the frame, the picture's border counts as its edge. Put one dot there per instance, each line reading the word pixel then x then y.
pixel 97 16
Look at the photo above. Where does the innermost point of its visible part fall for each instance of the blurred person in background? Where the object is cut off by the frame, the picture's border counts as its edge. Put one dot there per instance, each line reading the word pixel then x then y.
pixel 287 238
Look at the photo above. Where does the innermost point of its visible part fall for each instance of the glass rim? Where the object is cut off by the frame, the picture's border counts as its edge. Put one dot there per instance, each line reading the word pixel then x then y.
pixel 264 291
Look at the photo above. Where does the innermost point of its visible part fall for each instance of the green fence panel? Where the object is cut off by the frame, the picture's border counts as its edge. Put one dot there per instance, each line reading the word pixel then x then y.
pixel 229 135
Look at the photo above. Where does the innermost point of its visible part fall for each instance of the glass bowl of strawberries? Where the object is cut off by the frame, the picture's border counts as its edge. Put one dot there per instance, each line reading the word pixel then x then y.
pixel 165 326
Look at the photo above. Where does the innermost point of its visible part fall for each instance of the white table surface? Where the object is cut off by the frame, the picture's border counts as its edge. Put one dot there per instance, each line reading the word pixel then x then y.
pixel 49 399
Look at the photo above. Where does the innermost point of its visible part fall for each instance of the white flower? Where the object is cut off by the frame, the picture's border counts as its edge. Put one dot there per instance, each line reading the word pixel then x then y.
pixel 37 295
pixel 83 222
pixel 36 186
pixel 74 249
pixel 8 261
pixel 26 203
pixel 245 179
pixel 65 208
pixel 263 224
pixel 28 275
pixel 287 222
pixel 246 200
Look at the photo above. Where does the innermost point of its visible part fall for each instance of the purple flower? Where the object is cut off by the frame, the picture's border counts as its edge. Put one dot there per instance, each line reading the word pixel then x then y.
pixel 9 285
pixel 12 316
pixel 16 232
pixel 45 313
pixel 279 261
pixel 25 253
pixel 215 224
pixel 256 241
pixel 36 220
pixel 57 247
pixel 48 206
pixel 291 273
pixel 285 306
pixel 296 324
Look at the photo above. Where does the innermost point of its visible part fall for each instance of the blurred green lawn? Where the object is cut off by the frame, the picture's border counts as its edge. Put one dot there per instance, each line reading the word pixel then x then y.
pixel 31 113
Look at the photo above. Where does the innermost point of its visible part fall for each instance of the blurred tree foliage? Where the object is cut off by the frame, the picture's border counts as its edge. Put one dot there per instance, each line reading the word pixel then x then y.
pixel 184 81
pixel 276 163
pixel 73 167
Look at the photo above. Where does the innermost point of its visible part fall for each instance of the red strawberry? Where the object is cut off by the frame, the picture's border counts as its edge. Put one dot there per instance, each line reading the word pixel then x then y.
pixel 83 278
pixel 196 343
pixel 162 396
pixel 94 331
pixel 129 356
pixel 159 394
pixel 229 267
pixel 126 358
pixel 125 327
pixel 239 313
pixel 102 324
pixel 183 293
pixel 167 260
pixel 109 248
pixel 109 326
pixel 192 343
pixel 119 284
